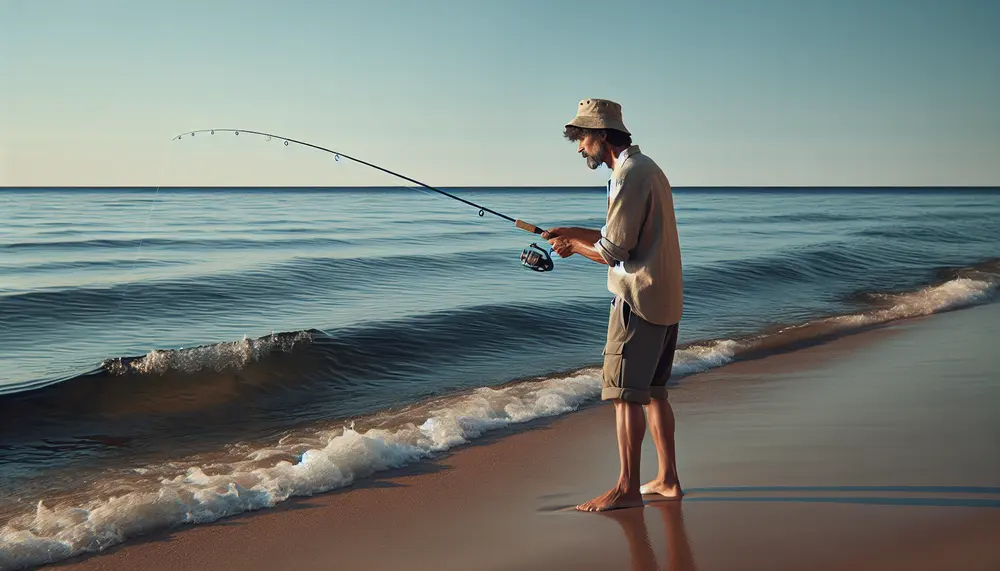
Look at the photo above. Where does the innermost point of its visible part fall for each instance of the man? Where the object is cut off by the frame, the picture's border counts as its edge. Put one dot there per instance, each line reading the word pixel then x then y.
pixel 639 245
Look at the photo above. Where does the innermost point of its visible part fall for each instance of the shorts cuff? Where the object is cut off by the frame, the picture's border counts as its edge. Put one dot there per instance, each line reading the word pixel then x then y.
pixel 629 395
pixel 658 392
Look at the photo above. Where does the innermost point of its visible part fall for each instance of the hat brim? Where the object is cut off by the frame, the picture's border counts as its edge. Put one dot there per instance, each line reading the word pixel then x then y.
pixel 597 123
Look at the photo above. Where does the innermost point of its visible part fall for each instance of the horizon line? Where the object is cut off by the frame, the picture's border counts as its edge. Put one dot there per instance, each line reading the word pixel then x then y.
pixel 521 186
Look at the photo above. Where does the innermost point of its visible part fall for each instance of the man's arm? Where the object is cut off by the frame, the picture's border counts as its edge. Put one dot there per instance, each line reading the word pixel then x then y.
pixel 627 208
pixel 614 242
pixel 587 248
pixel 570 240
pixel 573 233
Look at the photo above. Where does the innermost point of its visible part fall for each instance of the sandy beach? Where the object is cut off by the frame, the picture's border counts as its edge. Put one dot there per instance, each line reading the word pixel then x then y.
pixel 874 451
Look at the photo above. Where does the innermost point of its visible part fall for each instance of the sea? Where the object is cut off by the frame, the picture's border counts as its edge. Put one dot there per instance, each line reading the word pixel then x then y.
pixel 173 356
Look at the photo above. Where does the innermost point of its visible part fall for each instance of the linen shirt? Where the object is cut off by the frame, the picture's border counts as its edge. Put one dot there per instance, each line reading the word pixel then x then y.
pixel 639 240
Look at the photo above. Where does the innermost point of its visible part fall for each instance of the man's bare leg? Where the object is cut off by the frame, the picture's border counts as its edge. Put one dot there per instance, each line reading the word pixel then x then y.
pixel 661 426
pixel 631 426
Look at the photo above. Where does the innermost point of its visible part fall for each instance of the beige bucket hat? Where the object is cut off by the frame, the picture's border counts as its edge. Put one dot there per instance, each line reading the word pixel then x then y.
pixel 599 114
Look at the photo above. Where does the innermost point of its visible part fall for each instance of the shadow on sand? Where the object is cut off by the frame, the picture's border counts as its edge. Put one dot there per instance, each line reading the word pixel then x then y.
pixel 633 524
pixel 931 496
pixel 680 556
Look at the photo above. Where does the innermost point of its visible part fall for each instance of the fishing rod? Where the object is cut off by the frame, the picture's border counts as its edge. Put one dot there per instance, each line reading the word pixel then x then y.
pixel 532 257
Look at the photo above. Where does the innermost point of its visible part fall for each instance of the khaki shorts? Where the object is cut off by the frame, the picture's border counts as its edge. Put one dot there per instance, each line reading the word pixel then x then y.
pixel 638 356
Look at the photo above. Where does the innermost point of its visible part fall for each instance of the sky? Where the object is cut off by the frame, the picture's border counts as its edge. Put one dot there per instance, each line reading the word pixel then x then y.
pixel 475 93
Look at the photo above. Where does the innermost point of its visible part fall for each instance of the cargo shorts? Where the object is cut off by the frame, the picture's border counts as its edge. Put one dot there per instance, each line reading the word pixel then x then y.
pixel 638 356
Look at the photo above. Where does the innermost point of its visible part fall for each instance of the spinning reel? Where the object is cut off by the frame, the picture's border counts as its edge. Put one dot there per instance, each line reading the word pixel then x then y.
pixel 535 258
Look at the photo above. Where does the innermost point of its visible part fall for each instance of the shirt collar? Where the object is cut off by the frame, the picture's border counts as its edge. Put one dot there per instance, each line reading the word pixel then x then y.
pixel 622 157
pixel 632 150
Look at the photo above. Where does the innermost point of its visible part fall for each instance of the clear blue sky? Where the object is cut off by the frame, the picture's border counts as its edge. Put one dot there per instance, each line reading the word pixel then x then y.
pixel 796 92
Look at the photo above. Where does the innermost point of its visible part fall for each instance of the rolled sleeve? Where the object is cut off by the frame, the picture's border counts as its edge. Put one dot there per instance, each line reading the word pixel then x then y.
pixel 626 215
pixel 611 252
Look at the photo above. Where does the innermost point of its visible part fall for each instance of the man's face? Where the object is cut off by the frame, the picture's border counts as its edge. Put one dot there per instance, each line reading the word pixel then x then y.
pixel 592 149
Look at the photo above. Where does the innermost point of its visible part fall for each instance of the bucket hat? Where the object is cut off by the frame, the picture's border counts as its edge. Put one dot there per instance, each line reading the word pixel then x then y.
pixel 596 113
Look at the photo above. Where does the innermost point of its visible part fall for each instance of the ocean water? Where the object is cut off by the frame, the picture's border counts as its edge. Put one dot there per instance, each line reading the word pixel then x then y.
pixel 174 356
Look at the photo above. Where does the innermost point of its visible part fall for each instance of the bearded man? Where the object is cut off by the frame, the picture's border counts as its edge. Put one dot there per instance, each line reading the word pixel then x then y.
pixel 639 244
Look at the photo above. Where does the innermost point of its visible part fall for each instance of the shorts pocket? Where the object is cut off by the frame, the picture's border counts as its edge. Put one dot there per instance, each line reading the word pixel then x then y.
pixel 613 363
pixel 626 314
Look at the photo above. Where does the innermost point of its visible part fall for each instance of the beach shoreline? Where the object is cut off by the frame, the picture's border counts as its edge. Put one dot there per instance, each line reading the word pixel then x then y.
pixel 867 452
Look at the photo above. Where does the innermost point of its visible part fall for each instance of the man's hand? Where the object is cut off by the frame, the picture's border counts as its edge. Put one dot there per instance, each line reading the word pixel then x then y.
pixel 563 239
pixel 563 246
pixel 569 240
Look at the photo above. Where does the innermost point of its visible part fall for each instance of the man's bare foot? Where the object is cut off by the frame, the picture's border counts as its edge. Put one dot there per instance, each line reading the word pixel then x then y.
pixel 614 499
pixel 671 491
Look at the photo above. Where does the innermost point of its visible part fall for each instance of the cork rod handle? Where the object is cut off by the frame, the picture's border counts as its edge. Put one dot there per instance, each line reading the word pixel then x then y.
pixel 529 227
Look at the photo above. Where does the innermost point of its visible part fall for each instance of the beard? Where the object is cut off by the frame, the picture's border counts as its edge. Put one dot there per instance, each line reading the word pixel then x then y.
pixel 592 161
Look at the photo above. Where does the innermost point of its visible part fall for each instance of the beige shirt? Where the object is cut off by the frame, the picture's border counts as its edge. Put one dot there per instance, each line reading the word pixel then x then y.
pixel 639 240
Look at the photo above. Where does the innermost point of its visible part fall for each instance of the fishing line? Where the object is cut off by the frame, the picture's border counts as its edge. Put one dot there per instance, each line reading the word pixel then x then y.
pixel 533 257
pixel 149 215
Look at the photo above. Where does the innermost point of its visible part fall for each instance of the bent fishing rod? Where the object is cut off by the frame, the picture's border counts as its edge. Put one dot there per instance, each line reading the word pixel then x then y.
pixel 338 155
pixel 532 257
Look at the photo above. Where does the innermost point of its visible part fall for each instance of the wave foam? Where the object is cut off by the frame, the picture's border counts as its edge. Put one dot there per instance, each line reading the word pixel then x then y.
pixel 197 496
pixel 953 294
pixel 217 357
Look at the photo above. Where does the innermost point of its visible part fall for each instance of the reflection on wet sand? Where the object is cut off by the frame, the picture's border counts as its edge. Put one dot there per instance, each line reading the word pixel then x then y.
pixel 640 545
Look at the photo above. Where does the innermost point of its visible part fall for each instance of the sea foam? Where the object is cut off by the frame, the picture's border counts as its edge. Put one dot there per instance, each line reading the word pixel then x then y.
pixel 199 495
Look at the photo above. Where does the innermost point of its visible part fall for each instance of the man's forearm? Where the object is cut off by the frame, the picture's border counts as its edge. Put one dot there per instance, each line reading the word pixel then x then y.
pixel 583 244
pixel 583 234
pixel 585 247
pixel 570 240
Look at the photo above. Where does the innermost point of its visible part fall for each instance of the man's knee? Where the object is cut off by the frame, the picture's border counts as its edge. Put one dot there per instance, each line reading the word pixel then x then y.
pixel 625 394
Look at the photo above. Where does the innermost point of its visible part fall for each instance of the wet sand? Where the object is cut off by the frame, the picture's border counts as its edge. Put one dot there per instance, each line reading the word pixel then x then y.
pixel 875 451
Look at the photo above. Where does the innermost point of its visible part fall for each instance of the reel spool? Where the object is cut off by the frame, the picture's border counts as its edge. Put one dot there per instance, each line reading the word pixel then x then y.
pixel 535 258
